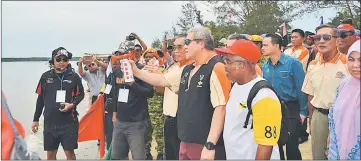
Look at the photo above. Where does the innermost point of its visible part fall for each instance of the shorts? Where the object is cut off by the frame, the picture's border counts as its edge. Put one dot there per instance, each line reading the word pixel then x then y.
pixel 67 135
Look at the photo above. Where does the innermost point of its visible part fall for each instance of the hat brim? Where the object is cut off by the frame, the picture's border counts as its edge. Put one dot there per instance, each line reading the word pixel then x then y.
pixel 223 51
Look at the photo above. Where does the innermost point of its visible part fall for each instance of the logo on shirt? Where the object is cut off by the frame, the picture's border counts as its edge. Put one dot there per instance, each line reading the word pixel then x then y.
pixel 340 75
pixel 50 80
pixel 67 81
pixel 183 80
pixel 267 70
pixel 242 105
pixel 200 83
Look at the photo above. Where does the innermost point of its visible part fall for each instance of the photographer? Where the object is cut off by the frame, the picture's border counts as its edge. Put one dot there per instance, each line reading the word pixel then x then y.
pixel 139 49
pixel 95 76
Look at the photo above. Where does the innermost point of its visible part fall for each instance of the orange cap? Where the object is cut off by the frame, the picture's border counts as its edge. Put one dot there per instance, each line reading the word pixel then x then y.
pixel 346 27
pixel 243 48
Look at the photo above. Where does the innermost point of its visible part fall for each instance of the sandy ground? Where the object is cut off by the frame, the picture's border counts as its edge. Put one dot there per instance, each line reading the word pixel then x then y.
pixel 89 149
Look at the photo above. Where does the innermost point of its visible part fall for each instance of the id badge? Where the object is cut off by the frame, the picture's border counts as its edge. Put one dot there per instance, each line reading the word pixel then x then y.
pixel 123 95
pixel 60 96
pixel 107 89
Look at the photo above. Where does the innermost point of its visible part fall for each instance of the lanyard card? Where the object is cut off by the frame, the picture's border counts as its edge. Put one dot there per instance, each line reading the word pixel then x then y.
pixel 107 89
pixel 123 95
pixel 60 96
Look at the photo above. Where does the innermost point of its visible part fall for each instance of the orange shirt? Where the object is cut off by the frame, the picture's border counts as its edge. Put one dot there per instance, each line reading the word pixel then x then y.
pixel 301 53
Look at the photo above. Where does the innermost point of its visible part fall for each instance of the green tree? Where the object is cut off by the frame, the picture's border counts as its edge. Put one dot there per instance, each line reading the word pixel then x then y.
pixel 190 17
pixel 254 17
pixel 156 44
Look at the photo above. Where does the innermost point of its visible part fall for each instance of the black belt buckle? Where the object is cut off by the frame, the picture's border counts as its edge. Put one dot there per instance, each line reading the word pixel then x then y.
pixel 323 111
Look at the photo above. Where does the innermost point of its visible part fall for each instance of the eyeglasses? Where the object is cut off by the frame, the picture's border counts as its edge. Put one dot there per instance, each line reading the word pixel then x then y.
pixel 62 59
pixel 227 61
pixel 138 50
pixel 149 57
pixel 188 41
pixel 178 47
pixel 90 65
pixel 325 37
pixel 345 35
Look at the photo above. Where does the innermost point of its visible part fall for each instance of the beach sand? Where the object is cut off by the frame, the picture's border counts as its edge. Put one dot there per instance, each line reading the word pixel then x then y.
pixel 89 149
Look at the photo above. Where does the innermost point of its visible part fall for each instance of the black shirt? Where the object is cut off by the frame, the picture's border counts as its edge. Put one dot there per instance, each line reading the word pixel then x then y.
pixel 49 84
pixel 136 109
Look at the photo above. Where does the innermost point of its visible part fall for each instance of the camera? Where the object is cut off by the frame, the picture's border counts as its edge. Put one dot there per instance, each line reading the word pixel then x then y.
pixel 131 37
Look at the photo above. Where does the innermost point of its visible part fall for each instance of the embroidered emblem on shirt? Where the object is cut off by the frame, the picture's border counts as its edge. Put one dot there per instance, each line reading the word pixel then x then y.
pixel 50 80
pixel 200 83
pixel 340 75
pixel 267 70
pixel 67 81
pixel 183 80
pixel 242 105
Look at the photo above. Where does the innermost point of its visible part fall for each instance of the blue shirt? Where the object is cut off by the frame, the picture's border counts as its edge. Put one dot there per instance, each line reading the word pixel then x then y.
pixel 287 78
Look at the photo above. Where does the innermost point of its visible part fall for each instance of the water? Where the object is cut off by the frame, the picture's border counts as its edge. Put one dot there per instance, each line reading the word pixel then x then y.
pixel 19 83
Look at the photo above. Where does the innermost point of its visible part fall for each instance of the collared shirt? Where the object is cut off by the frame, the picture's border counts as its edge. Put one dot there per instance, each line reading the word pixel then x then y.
pixel 95 80
pixel 301 53
pixel 240 142
pixel 323 78
pixel 287 77
pixel 219 85
pixel 170 102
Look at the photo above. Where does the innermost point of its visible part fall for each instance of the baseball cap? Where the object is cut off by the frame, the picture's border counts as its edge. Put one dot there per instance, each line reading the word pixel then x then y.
pixel 345 27
pixel 256 38
pixel 61 51
pixel 243 48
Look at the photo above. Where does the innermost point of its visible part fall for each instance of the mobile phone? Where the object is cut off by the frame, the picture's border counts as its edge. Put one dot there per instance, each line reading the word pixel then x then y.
pixel 88 59
pixel 62 105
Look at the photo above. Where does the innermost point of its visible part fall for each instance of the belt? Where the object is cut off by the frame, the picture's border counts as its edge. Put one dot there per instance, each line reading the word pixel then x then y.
pixel 322 110
pixel 169 117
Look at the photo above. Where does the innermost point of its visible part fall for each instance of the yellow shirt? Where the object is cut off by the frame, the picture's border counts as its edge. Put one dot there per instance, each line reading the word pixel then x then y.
pixel 170 101
pixel 323 78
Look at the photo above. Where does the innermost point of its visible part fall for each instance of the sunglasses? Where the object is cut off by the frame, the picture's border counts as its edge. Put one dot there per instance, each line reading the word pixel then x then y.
pixel 325 37
pixel 90 65
pixel 345 34
pixel 188 41
pixel 62 59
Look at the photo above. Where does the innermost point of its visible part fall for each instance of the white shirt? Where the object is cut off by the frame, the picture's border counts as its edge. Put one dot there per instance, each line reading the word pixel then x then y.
pixel 242 143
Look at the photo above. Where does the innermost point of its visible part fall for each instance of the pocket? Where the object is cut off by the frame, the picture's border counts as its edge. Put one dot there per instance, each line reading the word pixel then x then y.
pixel 285 74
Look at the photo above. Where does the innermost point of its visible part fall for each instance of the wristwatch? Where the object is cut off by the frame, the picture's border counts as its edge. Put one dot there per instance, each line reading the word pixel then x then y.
pixel 209 145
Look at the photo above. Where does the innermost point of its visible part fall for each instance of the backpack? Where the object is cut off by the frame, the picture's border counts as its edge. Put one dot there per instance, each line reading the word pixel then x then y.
pixel 284 134
pixel 19 149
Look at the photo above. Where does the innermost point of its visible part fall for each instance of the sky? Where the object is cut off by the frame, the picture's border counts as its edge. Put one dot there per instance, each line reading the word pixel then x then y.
pixel 35 29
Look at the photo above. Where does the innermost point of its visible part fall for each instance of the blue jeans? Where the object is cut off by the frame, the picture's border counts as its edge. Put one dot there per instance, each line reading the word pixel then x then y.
pixel 108 127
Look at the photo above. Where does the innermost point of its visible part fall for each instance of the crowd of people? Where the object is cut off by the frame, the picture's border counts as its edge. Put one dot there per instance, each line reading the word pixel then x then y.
pixel 203 102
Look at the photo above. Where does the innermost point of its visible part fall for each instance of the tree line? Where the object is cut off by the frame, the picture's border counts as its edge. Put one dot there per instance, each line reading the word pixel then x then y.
pixel 259 17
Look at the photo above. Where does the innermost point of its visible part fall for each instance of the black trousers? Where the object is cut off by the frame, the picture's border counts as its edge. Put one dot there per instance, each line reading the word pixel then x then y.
pixel 292 149
pixel 171 141
pixel 303 130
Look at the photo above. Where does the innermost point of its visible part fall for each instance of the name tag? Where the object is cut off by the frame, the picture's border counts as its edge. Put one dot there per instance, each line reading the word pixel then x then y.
pixel 107 89
pixel 123 95
pixel 60 96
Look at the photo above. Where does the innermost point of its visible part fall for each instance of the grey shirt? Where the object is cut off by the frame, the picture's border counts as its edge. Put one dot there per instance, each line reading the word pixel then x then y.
pixel 95 80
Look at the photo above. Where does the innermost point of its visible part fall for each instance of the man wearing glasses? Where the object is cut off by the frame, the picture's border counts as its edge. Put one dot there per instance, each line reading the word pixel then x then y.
pixel 324 75
pixel 346 37
pixel 170 102
pixel 59 91
pixel 203 91
pixel 95 76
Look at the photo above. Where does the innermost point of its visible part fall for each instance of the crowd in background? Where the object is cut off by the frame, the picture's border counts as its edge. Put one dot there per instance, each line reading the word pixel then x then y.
pixel 246 99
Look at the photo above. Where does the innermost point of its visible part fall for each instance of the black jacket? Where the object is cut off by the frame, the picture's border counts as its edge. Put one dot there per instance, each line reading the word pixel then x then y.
pixel 47 88
pixel 136 109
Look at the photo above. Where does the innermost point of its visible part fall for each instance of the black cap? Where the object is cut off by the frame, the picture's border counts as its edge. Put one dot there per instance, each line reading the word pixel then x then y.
pixel 61 51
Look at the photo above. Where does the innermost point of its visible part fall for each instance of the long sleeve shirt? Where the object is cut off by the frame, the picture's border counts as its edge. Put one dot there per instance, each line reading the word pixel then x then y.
pixel 136 108
pixel 287 78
